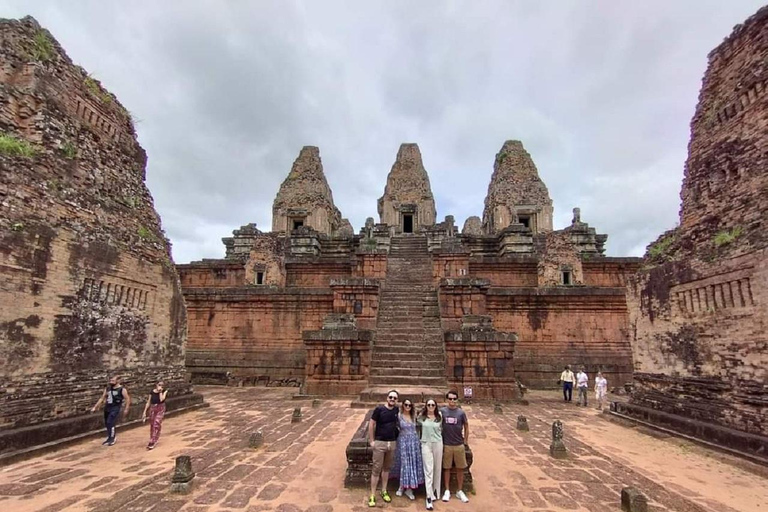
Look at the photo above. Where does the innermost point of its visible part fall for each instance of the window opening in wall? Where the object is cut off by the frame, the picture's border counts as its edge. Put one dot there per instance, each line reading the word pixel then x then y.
pixel 407 223
pixel 358 307
pixel 297 223
pixel 525 220
pixel 567 277
pixel 259 277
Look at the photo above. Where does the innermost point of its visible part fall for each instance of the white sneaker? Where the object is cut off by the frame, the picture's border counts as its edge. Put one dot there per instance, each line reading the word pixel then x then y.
pixel 463 497
pixel 446 495
pixel 399 492
pixel 429 504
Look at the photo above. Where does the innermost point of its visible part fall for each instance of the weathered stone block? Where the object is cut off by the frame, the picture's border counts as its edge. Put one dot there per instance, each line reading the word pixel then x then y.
pixel 632 500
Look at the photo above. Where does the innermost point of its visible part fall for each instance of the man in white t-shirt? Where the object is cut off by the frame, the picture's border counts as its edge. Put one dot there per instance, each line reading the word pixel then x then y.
pixel 582 383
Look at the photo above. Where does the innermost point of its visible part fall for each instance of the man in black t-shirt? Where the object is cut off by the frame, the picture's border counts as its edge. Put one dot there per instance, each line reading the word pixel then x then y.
pixel 382 437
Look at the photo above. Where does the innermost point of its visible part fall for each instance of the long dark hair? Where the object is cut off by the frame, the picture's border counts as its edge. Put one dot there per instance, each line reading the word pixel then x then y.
pixel 423 415
pixel 411 413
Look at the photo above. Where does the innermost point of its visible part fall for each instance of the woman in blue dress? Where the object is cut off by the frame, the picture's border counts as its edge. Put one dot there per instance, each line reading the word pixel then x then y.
pixel 408 463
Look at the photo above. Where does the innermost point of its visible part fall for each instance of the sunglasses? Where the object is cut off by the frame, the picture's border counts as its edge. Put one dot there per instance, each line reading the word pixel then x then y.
pixel 407 405
pixel 431 405
pixel 391 398
pixel 452 399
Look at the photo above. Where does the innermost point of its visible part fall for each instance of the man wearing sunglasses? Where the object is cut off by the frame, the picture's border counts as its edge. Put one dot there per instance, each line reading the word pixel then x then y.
pixel 382 436
pixel 455 436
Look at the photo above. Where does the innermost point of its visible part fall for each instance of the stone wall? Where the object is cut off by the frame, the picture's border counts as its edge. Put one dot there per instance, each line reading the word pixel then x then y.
pixel 252 334
pixel 698 306
pixel 87 285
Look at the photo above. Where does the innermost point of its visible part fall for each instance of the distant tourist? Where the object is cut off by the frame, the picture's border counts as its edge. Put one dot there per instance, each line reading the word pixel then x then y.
pixel 582 382
pixel 567 379
pixel 156 406
pixel 113 397
pixel 408 464
pixel 601 389
pixel 382 436
pixel 455 436
pixel 430 422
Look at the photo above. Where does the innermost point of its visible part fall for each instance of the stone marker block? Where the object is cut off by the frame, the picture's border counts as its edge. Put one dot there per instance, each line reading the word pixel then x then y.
pixel 256 440
pixel 633 500
pixel 296 417
pixel 181 481
pixel 522 423
pixel 557 448
pixel 497 409
pixel 315 403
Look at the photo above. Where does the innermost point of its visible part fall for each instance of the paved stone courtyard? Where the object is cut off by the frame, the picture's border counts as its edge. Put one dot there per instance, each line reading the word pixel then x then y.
pixel 301 466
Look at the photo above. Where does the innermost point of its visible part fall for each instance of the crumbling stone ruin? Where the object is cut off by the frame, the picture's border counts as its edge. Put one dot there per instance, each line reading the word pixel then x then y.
pixel 87 285
pixel 411 302
pixel 698 305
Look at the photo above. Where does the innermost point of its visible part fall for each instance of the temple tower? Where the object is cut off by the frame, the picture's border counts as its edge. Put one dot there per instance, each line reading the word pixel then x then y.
pixel 304 198
pixel 407 201
pixel 516 194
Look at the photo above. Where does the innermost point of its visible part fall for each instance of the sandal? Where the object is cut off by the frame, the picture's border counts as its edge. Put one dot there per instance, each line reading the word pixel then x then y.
pixel 385 496
pixel 372 501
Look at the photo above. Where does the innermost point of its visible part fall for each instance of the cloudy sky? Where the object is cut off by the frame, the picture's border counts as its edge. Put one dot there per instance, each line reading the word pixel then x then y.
pixel 226 93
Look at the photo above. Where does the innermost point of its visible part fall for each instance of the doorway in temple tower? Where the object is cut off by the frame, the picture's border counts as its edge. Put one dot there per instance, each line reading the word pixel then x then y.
pixel 407 223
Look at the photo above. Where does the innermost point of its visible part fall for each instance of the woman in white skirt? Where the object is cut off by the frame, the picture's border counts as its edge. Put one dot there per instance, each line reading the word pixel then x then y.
pixel 601 389
pixel 431 424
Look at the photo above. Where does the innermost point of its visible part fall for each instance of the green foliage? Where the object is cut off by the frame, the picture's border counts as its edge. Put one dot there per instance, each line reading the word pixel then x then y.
pixel 145 234
pixel 727 236
pixel 42 48
pixel 660 248
pixel 69 150
pixel 130 201
pixel 12 146
pixel 55 185
pixel 96 90
pixel 18 226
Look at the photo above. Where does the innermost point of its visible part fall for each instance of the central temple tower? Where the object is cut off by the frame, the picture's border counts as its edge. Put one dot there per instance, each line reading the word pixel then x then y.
pixel 407 201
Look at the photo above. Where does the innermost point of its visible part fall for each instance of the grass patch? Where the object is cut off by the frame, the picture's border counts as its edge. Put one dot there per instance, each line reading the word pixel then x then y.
pixel 145 234
pixel 660 248
pixel 69 150
pixel 42 48
pixel 13 146
pixel 727 236
pixel 18 226
pixel 96 90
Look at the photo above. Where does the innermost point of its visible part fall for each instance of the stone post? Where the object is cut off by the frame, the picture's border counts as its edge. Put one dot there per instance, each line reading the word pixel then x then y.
pixel 522 423
pixel 633 500
pixel 315 403
pixel 181 482
pixel 557 448
pixel 296 417
pixel 497 409
pixel 256 440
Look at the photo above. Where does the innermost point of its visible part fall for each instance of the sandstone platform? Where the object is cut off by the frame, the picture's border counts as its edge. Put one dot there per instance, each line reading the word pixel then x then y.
pixel 301 466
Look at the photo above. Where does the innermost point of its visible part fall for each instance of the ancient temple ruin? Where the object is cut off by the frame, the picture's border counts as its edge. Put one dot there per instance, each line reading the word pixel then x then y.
pixel 698 306
pixel 87 285
pixel 410 302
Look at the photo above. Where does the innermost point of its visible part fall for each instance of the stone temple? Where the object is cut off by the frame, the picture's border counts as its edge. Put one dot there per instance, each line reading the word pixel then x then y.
pixel 409 302
pixel 88 288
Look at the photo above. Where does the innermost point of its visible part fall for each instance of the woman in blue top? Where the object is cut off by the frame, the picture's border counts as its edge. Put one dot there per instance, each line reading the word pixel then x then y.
pixel 431 423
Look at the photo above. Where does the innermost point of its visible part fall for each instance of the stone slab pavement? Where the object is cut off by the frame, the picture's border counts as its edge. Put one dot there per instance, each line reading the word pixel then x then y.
pixel 300 467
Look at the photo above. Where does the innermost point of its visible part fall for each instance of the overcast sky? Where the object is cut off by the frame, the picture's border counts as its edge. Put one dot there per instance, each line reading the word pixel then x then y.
pixel 226 93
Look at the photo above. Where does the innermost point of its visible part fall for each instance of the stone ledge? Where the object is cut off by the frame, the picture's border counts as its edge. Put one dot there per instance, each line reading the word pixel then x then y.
pixel 22 443
pixel 559 291
pixel 751 446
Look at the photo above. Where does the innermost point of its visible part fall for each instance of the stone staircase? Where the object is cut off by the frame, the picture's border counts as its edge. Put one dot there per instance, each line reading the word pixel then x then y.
pixel 408 352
